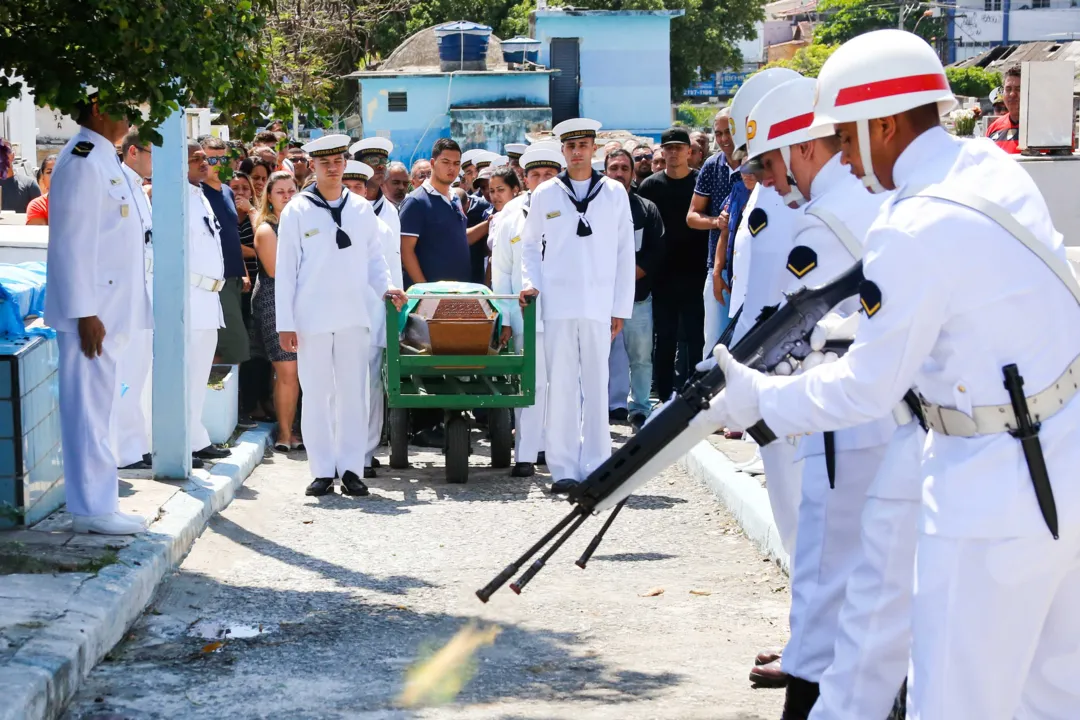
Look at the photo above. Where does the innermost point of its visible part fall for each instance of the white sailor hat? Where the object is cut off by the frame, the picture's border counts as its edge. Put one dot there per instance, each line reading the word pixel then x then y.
pixel 485 174
pixel 515 150
pixel 484 158
pixel 598 165
pixel 373 146
pixel 327 145
pixel 577 128
pixel 469 156
pixel 502 161
pixel 547 145
pixel 542 158
pixel 356 170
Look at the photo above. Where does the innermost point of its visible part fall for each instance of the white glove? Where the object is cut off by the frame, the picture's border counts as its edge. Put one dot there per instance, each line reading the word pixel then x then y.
pixel 833 326
pixel 741 391
pixel 812 361
pixel 715 417
pixel 706 365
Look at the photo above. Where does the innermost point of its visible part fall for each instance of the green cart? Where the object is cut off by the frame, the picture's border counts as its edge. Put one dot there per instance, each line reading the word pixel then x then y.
pixel 456 384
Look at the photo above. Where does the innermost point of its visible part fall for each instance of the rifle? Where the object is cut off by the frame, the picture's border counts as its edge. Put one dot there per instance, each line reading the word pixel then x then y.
pixel 670 433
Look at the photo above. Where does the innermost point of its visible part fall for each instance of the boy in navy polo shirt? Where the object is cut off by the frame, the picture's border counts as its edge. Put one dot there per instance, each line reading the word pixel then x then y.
pixel 433 242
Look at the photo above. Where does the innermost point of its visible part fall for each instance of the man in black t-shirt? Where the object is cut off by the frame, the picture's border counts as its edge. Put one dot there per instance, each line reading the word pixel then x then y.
pixel 680 279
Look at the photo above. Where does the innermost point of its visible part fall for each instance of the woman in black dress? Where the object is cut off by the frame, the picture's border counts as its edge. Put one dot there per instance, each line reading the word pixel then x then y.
pixel 280 188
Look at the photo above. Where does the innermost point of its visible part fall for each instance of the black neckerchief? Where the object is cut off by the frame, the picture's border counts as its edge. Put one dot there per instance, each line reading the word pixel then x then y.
pixel 317 198
pixel 582 206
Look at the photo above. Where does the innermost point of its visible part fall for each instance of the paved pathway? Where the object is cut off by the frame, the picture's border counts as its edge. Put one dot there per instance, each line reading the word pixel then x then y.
pixel 348 592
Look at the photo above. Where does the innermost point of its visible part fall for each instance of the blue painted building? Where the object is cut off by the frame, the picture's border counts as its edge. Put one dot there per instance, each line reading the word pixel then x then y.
pixel 615 66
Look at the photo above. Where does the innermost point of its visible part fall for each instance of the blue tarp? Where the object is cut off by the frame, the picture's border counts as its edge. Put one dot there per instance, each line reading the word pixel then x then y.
pixel 22 293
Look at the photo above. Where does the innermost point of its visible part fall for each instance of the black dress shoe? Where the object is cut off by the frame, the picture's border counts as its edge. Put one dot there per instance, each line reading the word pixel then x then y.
pixel 351 484
pixel 618 415
pixel 196 463
pixel 523 470
pixel 369 473
pixel 563 487
pixel 212 452
pixel 541 458
pixel 375 463
pixel 245 422
pixel 145 464
pixel 320 486
pixel 430 438
pixel 637 421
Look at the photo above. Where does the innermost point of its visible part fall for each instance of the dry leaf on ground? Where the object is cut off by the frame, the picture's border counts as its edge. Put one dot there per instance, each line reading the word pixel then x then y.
pixel 653 593
pixel 701 592
pixel 212 647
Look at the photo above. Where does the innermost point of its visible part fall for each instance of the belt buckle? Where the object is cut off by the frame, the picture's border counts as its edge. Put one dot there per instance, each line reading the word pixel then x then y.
pixel 218 285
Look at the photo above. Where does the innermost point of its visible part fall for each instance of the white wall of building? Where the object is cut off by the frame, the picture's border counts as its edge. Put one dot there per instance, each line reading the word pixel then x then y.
pixel 977 25
pixel 19 126
pixel 753 51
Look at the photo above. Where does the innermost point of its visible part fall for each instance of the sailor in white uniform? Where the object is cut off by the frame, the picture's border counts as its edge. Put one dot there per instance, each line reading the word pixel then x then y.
pixel 330 263
pixel 838 467
pixel 990 334
pixel 355 179
pixel 579 254
pixel 207 269
pixel 539 166
pixel 514 151
pixel 131 441
pixel 97 297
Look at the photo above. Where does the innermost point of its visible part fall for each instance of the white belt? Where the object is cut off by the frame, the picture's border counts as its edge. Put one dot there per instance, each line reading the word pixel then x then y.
pixel 992 419
pixel 148 265
pixel 205 282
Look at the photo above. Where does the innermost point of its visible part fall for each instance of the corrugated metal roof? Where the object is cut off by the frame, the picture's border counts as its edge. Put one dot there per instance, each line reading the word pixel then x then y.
pixel 1005 56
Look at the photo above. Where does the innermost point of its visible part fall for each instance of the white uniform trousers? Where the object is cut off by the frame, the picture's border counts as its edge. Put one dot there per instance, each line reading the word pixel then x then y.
pixel 531 421
pixel 333 369
pixel 873 640
pixel 827 551
pixel 87 394
pixel 376 402
pixel 578 434
pixel 129 434
pixel 783 482
pixel 995 627
pixel 202 344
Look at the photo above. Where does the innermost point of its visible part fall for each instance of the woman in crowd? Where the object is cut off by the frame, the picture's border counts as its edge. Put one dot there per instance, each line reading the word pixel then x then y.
pixel 503 187
pixel 37 212
pixel 279 190
pixel 260 173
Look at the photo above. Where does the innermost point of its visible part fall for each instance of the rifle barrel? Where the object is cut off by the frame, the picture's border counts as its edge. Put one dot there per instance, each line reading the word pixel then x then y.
pixel 499 580
pixel 584 559
pixel 518 585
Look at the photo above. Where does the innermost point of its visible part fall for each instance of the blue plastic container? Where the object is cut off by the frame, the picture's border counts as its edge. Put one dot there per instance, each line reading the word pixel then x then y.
pixel 463 45
pixel 520 50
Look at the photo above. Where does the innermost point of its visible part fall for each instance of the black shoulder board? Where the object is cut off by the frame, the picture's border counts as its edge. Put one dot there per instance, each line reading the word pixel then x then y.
pixel 870 297
pixel 757 221
pixel 801 260
pixel 82 149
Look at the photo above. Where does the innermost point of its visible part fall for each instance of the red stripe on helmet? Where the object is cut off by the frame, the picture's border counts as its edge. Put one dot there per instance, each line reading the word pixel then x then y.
pixel 891 88
pixel 799 122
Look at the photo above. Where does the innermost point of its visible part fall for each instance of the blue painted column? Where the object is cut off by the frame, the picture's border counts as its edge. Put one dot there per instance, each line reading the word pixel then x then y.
pixel 171 440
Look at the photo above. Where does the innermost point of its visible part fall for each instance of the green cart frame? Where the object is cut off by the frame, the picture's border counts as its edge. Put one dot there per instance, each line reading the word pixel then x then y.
pixel 456 384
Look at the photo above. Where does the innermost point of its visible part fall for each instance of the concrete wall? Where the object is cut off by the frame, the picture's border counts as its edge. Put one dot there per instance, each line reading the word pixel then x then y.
pixel 493 128
pixel 430 99
pixel 19 126
pixel 625 66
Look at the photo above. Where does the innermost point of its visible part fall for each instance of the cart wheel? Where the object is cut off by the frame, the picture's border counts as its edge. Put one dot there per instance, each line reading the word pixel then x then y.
pixel 457 449
pixel 502 437
pixel 399 438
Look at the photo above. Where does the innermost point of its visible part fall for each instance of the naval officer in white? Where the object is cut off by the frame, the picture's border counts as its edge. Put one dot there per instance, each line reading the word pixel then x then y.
pixel 329 256
pixel 97 297
pixel 579 253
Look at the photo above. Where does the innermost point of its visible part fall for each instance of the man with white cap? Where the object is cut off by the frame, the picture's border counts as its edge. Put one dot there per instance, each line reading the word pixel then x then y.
pixel 994 625
pixel 838 467
pixel 514 151
pixel 356 180
pixel 469 169
pixel 329 264
pixel 375 153
pixel 506 267
pixel 478 218
pixel 579 253
pixel 97 297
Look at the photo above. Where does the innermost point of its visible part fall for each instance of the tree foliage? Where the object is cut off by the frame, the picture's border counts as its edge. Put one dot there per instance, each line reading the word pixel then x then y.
pixel 841 20
pixel 972 81
pixel 807 61
pixel 133 51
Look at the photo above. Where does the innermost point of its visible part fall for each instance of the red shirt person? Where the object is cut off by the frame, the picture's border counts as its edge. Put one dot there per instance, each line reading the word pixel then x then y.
pixel 1005 131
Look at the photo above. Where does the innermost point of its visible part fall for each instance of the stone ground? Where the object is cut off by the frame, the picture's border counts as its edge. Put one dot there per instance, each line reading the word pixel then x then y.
pixel 328 601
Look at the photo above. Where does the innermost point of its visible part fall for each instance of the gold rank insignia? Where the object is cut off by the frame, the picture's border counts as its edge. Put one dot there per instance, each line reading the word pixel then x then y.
pixel 554 214
pixel 516 238
pixel 125 210
pixel 757 221
pixel 869 297
pixel 313 231
pixel 82 149
pixel 801 260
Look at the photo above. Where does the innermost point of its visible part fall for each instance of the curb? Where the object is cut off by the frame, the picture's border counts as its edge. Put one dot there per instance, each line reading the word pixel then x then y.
pixel 42 677
pixel 743 496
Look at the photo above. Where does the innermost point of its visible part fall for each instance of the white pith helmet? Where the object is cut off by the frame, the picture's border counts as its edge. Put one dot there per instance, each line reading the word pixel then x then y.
pixel 781 119
pixel 748 95
pixel 876 75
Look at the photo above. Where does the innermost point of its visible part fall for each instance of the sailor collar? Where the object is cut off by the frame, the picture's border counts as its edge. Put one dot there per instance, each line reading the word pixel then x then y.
pixel 563 181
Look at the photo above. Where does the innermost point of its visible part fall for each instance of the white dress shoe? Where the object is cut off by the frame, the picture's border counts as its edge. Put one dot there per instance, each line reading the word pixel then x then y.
pixel 134 518
pixel 111 524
